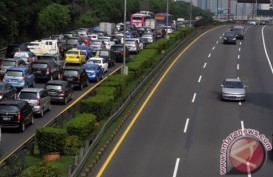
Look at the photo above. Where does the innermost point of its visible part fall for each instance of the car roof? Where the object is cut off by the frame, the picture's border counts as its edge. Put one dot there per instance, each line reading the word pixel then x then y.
pixel 16 68
pixel 72 68
pixel 13 102
pixel 233 79
pixel 58 82
pixel 96 58
pixel 31 89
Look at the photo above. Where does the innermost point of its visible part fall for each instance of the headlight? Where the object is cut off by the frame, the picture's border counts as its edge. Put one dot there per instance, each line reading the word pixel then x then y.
pixel 225 38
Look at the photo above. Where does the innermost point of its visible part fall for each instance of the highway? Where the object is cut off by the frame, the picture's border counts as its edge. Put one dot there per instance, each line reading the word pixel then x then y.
pixel 180 126
pixel 11 139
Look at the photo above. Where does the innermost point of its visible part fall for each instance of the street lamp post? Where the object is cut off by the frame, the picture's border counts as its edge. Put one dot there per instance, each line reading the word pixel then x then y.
pixel 191 13
pixel 124 68
pixel 167 21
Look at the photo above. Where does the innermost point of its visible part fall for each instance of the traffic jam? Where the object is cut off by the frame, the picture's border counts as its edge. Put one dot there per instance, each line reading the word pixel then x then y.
pixel 37 74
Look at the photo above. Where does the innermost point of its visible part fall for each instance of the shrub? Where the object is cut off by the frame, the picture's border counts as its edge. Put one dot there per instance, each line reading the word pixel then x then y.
pixel 81 126
pixel 108 91
pixel 51 139
pixel 72 143
pixel 100 105
pixel 40 170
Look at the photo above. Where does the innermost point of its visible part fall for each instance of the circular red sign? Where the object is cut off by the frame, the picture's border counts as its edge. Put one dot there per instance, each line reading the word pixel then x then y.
pixel 247 154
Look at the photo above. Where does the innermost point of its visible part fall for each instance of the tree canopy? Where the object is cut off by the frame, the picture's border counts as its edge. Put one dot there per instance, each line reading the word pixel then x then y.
pixel 26 20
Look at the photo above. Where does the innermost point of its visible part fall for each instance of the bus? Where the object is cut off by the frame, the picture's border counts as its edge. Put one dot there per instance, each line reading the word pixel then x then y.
pixel 139 19
pixel 161 19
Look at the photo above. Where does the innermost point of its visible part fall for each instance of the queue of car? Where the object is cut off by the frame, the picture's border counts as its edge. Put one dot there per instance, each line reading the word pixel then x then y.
pixel 65 63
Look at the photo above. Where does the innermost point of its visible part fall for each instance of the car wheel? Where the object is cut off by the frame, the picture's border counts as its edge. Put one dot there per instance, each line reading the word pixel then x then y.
pixel 42 113
pixel 65 101
pixel 32 120
pixel 81 86
pixel 23 127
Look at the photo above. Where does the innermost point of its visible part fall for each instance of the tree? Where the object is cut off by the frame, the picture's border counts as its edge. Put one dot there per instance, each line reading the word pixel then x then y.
pixel 54 18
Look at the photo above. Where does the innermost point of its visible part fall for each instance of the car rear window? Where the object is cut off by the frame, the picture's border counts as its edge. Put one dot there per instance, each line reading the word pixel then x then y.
pixel 72 41
pixel 72 52
pixel 96 61
pixel 102 53
pixel 28 95
pixel 39 65
pixel 69 72
pixel 53 86
pixel 14 73
pixel 8 108
pixel 21 55
pixel 117 48
pixel 9 63
pixel 90 67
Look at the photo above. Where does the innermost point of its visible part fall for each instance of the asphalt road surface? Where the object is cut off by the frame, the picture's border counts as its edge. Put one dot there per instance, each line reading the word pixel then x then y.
pixel 180 127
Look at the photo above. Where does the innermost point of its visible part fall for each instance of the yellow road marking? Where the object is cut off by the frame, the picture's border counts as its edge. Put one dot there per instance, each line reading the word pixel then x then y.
pixel 109 158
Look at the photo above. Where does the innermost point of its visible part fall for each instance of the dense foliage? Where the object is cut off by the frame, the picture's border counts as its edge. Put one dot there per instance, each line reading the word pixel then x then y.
pixel 26 20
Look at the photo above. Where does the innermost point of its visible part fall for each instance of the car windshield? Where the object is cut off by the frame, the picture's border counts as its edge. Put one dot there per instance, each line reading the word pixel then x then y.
pixel 72 41
pixel 233 84
pixel 70 72
pixel 14 73
pixel 229 34
pixel 28 95
pixel 39 65
pixel 53 87
pixel 8 108
pixel 9 63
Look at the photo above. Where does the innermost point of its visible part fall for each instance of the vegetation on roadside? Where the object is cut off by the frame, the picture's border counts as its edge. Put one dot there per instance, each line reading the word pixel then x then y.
pixel 27 20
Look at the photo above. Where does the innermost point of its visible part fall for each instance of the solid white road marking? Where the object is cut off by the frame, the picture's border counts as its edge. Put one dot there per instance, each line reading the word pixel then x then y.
pixel 269 62
pixel 200 77
pixel 213 48
pixel 176 167
pixel 238 66
pixel 205 65
pixel 238 56
pixel 239 49
pixel 217 42
pixel 240 43
pixel 193 98
pixel 240 103
pixel 186 125
pixel 242 125
pixel 209 55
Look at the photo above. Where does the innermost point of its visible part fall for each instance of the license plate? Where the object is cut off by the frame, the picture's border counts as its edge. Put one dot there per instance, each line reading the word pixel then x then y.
pixel 38 71
pixel 13 80
pixel 6 118
pixel 70 79
pixel 52 93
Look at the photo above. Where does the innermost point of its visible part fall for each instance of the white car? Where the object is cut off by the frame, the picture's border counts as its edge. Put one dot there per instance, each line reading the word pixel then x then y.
pixel 33 45
pixel 108 41
pixel 103 63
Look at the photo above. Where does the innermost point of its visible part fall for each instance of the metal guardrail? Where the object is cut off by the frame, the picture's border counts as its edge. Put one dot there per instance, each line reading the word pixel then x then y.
pixel 9 165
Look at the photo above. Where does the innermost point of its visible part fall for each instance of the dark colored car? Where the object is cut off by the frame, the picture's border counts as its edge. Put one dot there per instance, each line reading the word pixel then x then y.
pixel 160 33
pixel 10 62
pixel 239 32
pixel 15 114
pixel 141 30
pixel 59 59
pixel 118 51
pixel 108 55
pixel 46 70
pixel 76 76
pixel 59 91
pixel 13 48
pixel 7 91
pixel 229 37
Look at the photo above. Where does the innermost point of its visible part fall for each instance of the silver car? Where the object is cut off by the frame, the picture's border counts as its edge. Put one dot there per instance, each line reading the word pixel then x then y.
pixel 38 98
pixel 233 89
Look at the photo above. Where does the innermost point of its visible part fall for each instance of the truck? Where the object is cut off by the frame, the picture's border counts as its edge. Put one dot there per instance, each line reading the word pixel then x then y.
pixel 46 46
pixel 151 23
pixel 107 27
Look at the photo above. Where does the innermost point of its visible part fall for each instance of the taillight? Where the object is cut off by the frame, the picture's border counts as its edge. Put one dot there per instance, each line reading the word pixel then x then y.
pixel 61 92
pixel 79 77
pixel 47 71
pixel 39 102
pixel 28 59
pixel 19 116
